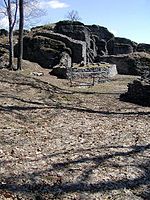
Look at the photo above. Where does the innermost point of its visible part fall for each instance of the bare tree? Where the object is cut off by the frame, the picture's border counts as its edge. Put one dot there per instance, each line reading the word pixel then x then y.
pixel 32 11
pixel 73 15
pixel 9 8
pixel 20 40
pixel 11 11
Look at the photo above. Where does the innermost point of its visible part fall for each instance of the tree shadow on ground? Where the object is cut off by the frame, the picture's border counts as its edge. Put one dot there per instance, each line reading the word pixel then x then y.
pixel 53 102
pixel 58 105
pixel 83 184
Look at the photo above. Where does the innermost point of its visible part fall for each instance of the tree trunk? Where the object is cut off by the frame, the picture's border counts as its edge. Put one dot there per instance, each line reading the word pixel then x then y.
pixel 20 41
pixel 11 46
pixel 11 50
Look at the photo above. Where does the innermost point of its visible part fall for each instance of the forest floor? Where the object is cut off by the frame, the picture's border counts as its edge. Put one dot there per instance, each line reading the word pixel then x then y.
pixel 62 142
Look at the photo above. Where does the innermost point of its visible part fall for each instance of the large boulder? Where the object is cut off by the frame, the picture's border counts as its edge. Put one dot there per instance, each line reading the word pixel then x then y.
pixel 45 51
pixel 76 48
pixel 138 92
pixel 64 64
pixel 129 64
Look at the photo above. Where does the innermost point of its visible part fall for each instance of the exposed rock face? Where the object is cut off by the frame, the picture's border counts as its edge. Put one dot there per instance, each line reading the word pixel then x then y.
pixel 47 48
pixel 139 91
pixel 76 48
pixel 102 36
pixel 43 50
pixel 101 47
pixel 143 47
pixel 101 32
pixel 127 63
pixel 84 44
pixel 119 45
pixel 74 30
pixel 78 31
pixel 122 49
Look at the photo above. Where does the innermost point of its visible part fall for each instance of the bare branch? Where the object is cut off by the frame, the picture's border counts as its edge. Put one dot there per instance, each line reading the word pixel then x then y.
pixel 6 4
pixel 3 11
pixel 73 15
pixel 15 15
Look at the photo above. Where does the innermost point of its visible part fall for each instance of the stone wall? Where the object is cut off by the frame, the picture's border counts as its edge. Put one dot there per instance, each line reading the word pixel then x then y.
pixel 102 70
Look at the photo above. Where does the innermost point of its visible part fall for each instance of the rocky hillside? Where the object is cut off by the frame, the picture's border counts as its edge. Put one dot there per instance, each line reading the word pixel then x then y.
pixel 62 142
pixel 47 45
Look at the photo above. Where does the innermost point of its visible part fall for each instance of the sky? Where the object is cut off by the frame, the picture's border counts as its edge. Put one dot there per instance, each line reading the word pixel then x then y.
pixel 124 18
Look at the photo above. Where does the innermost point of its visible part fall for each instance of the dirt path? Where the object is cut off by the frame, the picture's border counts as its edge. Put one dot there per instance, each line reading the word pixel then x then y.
pixel 58 142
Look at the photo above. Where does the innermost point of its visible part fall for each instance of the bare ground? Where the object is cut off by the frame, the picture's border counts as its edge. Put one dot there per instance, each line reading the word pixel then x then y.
pixel 58 142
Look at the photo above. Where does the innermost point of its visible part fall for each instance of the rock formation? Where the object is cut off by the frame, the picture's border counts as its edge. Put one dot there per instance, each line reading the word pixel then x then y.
pixel 127 63
pixel 143 48
pixel 119 45
pixel 84 44
pixel 87 44
pixel 139 91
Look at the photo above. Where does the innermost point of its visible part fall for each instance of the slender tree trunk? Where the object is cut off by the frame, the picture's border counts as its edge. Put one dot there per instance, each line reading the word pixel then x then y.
pixel 11 50
pixel 11 46
pixel 20 41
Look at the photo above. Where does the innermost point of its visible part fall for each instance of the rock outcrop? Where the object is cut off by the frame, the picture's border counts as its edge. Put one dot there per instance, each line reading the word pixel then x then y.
pixel 86 44
pixel 143 47
pixel 92 43
pixel 119 45
pixel 102 36
pixel 47 48
pixel 138 92
pixel 43 50
pixel 128 64
pixel 80 32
